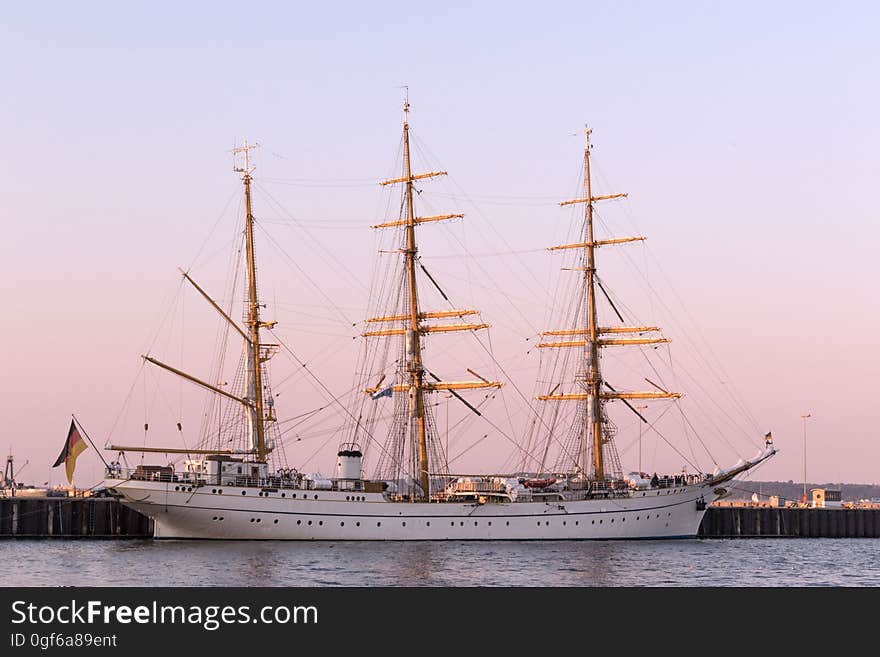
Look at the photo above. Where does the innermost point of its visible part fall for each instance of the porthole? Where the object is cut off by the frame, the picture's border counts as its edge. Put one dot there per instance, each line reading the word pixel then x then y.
pixel 347 498
pixel 275 521
pixel 214 518
pixel 623 519
pixel 283 495
pixel 316 497
pixel 490 523
pixel 462 523
pixel 342 524
pixel 600 522
pixel 252 519
pixel 293 496
pixel 213 491
pixel 576 523
pixel 378 524
pixel 592 522
pixel 357 524
pixel 612 520
pixel 320 523
pixel 428 523
pixel 476 523
pixel 219 491
pixel 259 520
pixel 452 524
pixel 547 523
pixel 309 523
pixel 221 518
pixel 299 522
pixel 244 492
pixel 539 523
pixel 404 523
pixel 508 523
pixel 563 523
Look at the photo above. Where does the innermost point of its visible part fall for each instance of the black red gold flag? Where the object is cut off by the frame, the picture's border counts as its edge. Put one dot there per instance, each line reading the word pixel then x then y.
pixel 73 447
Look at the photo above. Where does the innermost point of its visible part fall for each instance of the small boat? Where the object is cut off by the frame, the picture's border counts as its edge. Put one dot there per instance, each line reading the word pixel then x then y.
pixel 538 483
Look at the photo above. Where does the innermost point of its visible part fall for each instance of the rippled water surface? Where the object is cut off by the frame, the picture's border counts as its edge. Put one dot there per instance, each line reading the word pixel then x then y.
pixel 734 562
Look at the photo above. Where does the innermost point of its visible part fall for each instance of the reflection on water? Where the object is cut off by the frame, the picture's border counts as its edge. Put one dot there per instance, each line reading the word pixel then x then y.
pixel 736 562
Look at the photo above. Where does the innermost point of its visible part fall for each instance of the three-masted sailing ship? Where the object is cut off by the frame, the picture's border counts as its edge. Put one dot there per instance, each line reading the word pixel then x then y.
pixel 244 494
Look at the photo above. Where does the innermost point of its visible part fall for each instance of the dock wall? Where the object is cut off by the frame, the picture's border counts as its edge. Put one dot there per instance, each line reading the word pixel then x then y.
pixel 70 517
pixel 751 522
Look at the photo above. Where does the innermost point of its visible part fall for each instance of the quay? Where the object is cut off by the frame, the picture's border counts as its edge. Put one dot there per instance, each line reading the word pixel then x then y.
pixel 789 522
pixel 105 517
pixel 70 517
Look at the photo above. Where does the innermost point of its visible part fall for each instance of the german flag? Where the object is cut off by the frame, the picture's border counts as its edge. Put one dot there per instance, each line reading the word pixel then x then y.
pixel 73 447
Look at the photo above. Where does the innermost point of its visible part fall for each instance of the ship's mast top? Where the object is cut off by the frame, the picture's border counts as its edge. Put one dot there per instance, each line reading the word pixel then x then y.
pixel 245 148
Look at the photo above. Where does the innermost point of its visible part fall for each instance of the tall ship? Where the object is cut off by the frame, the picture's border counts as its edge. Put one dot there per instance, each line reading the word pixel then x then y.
pixel 249 492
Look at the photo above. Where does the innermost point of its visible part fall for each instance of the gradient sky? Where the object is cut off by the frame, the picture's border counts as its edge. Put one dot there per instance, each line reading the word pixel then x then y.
pixel 745 133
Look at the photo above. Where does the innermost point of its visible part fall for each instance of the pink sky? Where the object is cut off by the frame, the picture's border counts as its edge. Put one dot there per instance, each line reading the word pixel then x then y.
pixel 746 138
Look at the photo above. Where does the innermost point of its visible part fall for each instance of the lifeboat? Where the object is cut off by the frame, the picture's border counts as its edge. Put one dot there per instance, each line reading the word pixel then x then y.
pixel 538 483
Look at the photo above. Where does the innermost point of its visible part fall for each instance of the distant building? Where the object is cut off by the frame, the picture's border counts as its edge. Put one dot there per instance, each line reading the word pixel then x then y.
pixel 826 498
pixel 776 501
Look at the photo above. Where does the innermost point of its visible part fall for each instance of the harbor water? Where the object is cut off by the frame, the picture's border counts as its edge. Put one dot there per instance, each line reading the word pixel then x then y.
pixel 692 563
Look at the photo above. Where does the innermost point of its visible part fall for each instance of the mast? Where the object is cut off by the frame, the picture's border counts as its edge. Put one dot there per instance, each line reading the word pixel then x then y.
pixel 593 375
pixel 413 338
pixel 252 345
pixel 412 324
pixel 590 337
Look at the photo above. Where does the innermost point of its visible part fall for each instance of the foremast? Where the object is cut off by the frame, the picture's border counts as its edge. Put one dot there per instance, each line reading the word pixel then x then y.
pixel 594 396
pixel 254 353
pixel 416 386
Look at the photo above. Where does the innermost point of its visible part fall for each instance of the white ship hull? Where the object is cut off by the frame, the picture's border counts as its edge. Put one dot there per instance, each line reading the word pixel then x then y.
pixel 182 512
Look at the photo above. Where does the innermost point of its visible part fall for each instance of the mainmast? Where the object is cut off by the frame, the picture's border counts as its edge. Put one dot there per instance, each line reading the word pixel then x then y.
pixel 255 392
pixel 592 333
pixel 413 339
pixel 413 327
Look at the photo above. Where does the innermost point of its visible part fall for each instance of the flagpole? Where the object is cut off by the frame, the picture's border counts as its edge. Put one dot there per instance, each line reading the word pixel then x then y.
pixel 86 434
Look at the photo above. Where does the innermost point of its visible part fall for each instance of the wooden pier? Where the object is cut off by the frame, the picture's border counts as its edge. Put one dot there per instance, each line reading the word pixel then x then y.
pixel 104 517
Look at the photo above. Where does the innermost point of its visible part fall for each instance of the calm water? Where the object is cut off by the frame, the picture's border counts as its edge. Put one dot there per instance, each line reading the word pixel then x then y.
pixel 737 562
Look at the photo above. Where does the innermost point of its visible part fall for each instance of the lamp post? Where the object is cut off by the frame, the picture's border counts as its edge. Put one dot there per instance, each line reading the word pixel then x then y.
pixel 804 418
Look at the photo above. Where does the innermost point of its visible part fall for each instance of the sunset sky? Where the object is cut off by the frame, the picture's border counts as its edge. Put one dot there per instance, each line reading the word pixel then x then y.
pixel 746 135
